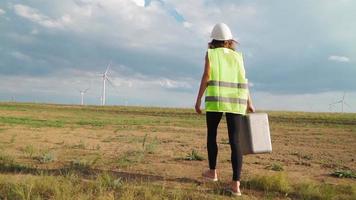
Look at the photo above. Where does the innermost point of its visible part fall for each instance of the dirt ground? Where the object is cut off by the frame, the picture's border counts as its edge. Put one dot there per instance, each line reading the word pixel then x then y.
pixel 306 146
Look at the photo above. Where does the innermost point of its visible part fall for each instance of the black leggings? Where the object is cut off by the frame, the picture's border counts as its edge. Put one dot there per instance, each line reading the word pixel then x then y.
pixel 233 122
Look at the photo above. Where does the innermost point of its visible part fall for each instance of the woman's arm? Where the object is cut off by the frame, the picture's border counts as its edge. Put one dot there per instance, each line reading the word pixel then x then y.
pixel 250 107
pixel 203 84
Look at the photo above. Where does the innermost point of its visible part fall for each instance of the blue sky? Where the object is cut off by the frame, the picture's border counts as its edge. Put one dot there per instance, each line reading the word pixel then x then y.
pixel 299 55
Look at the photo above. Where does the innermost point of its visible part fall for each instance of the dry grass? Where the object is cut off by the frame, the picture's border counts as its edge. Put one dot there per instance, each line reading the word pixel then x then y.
pixel 63 152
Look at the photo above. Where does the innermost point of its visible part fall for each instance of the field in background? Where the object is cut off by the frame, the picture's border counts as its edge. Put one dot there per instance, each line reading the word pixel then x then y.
pixel 75 152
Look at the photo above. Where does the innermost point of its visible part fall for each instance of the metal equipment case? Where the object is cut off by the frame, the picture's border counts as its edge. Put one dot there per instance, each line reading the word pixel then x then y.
pixel 255 134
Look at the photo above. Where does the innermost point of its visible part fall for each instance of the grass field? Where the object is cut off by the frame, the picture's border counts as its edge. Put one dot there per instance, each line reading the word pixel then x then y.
pixel 75 152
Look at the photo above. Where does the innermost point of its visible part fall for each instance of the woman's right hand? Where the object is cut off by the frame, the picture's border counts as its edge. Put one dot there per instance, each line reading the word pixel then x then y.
pixel 197 106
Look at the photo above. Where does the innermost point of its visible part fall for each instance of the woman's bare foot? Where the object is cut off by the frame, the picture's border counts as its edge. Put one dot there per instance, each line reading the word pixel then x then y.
pixel 211 174
pixel 235 188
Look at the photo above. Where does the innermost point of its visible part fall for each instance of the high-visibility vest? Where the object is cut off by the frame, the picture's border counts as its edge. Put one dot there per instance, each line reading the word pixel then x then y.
pixel 227 89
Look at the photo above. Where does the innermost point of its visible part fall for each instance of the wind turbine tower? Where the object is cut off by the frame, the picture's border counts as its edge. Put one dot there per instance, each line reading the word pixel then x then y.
pixel 341 101
pixel 82 93
pixel 105 78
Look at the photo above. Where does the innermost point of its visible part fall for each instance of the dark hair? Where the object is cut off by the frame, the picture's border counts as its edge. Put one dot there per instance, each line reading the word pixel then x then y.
pixel 222 43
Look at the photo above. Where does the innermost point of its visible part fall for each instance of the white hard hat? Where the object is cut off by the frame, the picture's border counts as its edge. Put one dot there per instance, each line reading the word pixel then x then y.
pixel 221 32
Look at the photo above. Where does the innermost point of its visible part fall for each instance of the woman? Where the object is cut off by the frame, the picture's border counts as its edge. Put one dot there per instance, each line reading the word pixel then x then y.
pixel 226 92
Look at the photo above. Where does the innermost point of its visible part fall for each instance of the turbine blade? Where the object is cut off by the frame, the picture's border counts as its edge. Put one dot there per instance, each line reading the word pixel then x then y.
pixel 347 104
pixel 110 82
pixel 113 85
pixel 107 69
pixel 336 102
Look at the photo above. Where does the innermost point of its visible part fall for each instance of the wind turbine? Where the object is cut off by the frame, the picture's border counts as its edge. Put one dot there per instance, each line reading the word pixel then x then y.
pixel 341 101
pixel 82 92
pixel 105 78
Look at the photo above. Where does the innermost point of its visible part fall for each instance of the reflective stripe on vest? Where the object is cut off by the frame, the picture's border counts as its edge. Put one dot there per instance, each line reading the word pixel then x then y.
pixel 227 84
pixel 227 89
pixel 226 99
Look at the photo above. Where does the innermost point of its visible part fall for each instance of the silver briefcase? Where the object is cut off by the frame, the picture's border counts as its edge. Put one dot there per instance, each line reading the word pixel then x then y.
pixel 255 134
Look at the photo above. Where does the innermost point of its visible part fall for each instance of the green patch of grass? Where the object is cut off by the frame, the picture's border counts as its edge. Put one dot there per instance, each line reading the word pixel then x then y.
pixel 130 157
pixel 29 150
pixel 149 146
pixel 31 122
pixel 152 146
pixel 104 186
pixel 107 182
pixel 95 123
pixel 8 164
pixel 82 166
pixel 280 185
pixel 50 187
pixel 275 167
pixel 194 155
pixel 4 159
pixel 3 130
pixel 344 174
pixel 276 183
pixel 324 191
pixel 46 157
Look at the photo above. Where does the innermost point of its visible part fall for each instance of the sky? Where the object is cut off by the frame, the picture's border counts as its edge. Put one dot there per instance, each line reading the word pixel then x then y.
pixel 299 55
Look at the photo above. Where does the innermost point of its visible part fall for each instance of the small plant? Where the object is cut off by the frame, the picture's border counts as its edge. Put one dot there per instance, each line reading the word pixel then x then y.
pixel 149 147
pixel 80 165
pixel 224 141
pixel 13 138
pixel 106 182
pixel 6 159
pixel 306 157
pixel 46 157
pixel 80 145
pixel 275 167
pixel 108 139
pixel 344 174
pixel 194 155
pixel 29 150
pixel 144 141
pixel 130 157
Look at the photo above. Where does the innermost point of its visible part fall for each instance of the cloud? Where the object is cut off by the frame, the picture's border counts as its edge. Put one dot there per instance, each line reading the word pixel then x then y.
pixel 34 31
pixel 39 18
pixel 309 102
pixel 162 44
pixel 172 84
pixel 20 56
pixel 127 88
pixel 339 58
pixel 2 12
pixel 139 2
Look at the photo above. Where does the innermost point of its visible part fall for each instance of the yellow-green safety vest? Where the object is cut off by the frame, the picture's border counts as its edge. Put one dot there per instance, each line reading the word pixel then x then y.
pixel 227 89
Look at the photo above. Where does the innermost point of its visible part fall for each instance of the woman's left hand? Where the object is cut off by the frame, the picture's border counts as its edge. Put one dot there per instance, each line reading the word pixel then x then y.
pixel 250 108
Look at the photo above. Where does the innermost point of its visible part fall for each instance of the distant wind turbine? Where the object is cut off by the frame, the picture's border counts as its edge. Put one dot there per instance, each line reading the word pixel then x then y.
pixel 105 78
pixel 82 93
pixel 341 101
